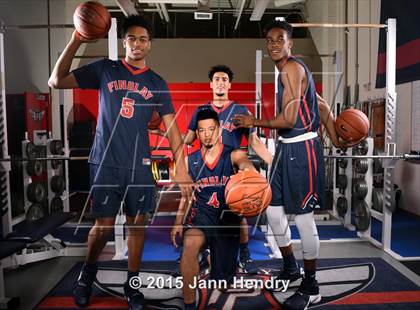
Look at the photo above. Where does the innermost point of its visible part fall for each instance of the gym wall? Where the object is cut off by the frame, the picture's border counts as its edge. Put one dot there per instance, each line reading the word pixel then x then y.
pixel 188 60
pixel 362 55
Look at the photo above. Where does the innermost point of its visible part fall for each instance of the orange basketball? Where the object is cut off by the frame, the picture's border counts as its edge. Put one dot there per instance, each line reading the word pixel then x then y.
pixel 92 20
pixel 155 121
pixel 247 193
pixel 352 125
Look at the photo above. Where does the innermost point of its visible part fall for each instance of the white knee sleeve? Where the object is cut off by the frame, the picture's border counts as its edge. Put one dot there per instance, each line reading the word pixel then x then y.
pixel 305 224
pixel 279 225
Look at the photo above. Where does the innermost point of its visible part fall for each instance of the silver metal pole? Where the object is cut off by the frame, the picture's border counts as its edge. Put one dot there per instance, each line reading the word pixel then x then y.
pixel 63 99
pixel 258 83
pixel 113 40
pixel 120 220
pixel 390 123
pixel 5 167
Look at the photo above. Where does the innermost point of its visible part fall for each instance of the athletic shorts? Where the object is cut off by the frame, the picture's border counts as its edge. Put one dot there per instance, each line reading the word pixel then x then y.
pixel 222 236
pixel 113 188
pixel 297 176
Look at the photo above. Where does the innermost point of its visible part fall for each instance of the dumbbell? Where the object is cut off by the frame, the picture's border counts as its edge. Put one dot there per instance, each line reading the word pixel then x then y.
pixel 56 205
pixel 360 188
pixel 56 163
pixel 361 165
pixel 31 150
pixel 34 167
pixel 57 184
pixel 35 192
pixel 342 163
pixel 34 212
pixel 362 216
pixel 342 181
pixel 342 206
pixel 56 147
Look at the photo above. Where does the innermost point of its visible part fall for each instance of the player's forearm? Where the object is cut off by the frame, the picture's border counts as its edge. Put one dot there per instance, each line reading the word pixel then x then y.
pixel 63 65
pixel 177 147
pixel 260 149
pixel 189 137
pixel 328 120
pixel 332 133
pixel 182 208
pixel 277 123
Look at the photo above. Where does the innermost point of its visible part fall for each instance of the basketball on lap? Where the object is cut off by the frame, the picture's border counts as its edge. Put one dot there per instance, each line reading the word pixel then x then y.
pixel 352 125
pixel 247 193
pixel 92 20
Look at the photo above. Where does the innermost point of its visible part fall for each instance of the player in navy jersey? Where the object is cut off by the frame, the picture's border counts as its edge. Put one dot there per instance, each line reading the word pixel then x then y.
pixel 221 77
pixel 297 175
pixel 120 159
pixel 209 220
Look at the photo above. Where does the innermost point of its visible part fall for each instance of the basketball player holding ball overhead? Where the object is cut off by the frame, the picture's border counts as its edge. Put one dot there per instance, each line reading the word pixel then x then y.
pixel 209 221
pixel 297 176
pixel 120 159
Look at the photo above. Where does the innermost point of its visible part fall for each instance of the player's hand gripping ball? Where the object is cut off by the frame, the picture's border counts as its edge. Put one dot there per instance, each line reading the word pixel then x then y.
pixel 248 193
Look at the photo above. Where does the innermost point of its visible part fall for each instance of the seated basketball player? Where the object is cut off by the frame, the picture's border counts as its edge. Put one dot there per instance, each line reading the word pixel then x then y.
pixel 210 168
pixel 221 77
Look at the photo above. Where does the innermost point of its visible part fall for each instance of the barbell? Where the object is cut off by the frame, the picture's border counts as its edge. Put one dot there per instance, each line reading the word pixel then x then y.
pixel 413 157
pixel 403 156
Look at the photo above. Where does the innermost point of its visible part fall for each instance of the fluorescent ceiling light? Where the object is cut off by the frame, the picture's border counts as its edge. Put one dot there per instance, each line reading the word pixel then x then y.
pixel 127 7
pixel 259 9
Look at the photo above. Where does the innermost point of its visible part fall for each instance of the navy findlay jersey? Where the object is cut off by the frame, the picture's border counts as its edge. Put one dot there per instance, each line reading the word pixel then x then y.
pixel 308 115
pixel 210 180
pixel 231 135
pixel 128 96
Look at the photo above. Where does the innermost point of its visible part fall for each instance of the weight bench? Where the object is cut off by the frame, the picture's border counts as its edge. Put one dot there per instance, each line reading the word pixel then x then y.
pixel 22 236
pixel 8 248
pixel 34 231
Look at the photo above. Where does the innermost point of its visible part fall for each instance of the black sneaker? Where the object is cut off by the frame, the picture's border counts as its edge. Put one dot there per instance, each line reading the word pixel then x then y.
pixel 134 298
pixel 290 274
pixel 244 258
pixel 83 287
pixel 306 294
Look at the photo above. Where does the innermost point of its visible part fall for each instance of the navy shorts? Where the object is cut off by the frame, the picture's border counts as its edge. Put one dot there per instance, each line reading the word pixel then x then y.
pixel 113 188
pixel 297 176
pixel 221 231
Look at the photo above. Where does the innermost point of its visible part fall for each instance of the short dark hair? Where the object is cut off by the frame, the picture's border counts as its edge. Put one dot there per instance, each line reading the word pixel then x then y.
pixel 220 68
pixel 282 24
pixel 137 20
pixel 207 113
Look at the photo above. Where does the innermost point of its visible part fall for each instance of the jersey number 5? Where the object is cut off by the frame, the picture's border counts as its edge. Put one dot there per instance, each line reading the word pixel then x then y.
pixel 213 201
pixel 127 107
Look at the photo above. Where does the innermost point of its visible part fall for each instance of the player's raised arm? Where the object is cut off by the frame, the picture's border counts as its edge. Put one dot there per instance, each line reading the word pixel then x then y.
pixel 61 77
pixel 182 177
pixel 292 78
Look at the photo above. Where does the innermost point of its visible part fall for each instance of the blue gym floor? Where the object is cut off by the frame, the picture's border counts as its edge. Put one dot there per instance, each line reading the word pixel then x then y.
pixel 404 236
pixel 158 247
